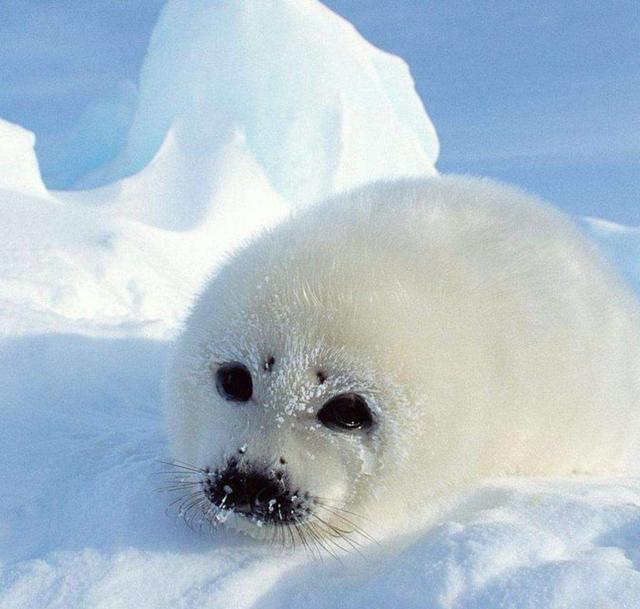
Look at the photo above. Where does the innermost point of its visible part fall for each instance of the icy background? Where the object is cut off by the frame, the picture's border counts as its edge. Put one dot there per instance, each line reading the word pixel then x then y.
pixel 223 136
pixel 539 93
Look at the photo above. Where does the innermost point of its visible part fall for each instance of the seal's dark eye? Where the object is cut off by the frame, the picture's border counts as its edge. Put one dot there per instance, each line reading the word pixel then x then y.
pixel 234 383
pixel 346 412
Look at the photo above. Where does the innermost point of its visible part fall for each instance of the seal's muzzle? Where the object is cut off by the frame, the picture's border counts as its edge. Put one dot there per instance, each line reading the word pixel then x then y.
pixel 260 495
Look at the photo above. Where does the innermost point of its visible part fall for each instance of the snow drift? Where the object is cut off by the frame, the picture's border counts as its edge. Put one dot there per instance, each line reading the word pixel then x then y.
pixel 245 110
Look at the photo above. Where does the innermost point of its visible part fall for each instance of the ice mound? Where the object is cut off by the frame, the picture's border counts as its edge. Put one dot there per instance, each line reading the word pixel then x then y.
pixel 244 112
pixel 318 107
pixel 95 140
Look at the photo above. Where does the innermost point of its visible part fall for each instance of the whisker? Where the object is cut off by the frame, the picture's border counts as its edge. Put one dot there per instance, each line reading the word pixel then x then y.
pixel 176 487
pixel 337 533
pixel 190 513
pixel 314 539
pixel 303 538
pixel 182 497
pixel 332 539
pixel 342 536
pixel 182 479
pixel 177 473
pixel 181 466
pixel 356 528
pixel 324 501
pixel 323 542
pixel 293 539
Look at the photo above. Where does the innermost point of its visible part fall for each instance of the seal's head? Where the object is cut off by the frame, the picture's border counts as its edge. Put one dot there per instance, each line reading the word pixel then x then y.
pixel 378 349
pixel 280 399
pixel 288 392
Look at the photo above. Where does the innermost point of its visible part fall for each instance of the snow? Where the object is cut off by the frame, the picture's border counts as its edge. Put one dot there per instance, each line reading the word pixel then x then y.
pixel 18 161
pixel 223 137
pixel 127 258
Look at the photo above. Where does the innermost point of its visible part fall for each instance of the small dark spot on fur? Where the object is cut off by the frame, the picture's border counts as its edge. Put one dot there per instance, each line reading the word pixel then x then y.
pixel 321 376
pixel 268 363
pixel 283 461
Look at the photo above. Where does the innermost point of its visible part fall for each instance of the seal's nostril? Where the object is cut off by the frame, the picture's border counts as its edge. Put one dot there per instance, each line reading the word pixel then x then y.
pixel 243 508
pixel 267 493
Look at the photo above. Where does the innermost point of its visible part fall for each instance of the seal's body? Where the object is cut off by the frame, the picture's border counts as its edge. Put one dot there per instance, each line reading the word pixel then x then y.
pixel 387 346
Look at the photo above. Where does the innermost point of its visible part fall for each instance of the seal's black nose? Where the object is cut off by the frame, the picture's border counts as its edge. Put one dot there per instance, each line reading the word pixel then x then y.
pixel 254 493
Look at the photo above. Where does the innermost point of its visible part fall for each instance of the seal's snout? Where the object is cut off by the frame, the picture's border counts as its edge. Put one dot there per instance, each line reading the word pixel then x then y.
pixel 246 492
pixel 257 494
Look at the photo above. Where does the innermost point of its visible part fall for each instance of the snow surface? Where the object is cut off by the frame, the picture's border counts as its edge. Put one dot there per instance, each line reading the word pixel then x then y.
pixel 226 134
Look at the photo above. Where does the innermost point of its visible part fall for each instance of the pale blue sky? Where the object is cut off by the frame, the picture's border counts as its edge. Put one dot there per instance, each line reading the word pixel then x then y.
pixel 543 94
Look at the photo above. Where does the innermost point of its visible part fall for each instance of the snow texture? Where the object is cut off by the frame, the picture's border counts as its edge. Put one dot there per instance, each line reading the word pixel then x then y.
pixel 244 111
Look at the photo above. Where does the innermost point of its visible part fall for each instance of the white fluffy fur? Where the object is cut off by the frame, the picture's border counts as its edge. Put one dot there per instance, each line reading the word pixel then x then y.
pixel 486 332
